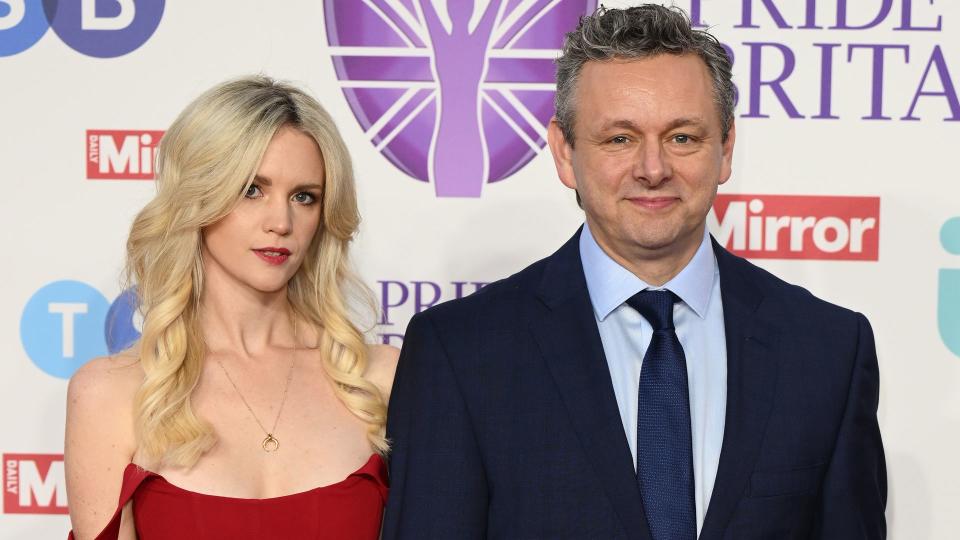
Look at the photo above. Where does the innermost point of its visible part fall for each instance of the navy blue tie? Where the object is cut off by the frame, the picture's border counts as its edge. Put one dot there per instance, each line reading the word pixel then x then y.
pixel 664 447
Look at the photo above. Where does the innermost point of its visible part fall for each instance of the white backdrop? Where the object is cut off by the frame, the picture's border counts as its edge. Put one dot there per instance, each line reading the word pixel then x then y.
pixel 56 224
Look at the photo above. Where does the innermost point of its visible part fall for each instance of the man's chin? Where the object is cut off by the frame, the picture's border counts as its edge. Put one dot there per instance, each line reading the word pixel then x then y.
pixel 655 241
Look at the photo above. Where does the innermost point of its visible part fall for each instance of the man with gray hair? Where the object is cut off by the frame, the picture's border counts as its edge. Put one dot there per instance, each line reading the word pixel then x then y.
pixel 641 382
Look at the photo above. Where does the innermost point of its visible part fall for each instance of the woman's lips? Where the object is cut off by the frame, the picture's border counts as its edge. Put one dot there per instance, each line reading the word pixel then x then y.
pixel 273 256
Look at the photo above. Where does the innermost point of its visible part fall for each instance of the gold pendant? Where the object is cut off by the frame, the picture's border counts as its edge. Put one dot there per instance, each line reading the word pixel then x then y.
pixel 270 443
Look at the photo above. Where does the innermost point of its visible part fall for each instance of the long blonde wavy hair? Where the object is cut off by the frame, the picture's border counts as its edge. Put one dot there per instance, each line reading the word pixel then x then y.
pixel 206 161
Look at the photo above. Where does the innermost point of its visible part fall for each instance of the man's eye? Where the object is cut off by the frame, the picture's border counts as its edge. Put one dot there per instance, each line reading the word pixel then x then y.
pixel 253 191
pixel 619 139
pixel 304 198
pixel 681 139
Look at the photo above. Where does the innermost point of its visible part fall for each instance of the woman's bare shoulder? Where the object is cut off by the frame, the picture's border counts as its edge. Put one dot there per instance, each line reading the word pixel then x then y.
pixel 102 392
pixel 100 437
pixel 111 378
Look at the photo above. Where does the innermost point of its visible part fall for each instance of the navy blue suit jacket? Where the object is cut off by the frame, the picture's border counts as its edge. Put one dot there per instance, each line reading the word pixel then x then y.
pixel 505 425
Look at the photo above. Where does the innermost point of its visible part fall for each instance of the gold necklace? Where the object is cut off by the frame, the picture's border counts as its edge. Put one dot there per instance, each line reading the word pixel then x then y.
pixel 270 443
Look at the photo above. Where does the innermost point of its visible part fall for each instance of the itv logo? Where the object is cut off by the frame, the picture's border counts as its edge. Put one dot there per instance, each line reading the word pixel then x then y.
pixel 34 484
pixel 121 154
pixel 948 305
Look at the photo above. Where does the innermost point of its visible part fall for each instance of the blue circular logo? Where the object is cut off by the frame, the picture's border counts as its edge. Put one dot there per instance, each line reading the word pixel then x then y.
pixel 104 29
pixel 119 328
pixel 22 24
pixel 62 327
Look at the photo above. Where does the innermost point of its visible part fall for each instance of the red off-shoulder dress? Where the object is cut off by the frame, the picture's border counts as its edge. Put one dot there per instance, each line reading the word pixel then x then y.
pixel 349 509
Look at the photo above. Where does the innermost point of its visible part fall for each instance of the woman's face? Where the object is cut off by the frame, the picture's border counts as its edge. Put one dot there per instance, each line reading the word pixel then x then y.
pixel 261 243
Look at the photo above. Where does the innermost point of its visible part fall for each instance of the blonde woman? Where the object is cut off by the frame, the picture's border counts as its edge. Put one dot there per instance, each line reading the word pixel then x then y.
pixel 251 407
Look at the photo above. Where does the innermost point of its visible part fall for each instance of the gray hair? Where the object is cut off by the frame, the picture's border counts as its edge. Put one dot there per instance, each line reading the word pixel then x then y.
pixel 635 33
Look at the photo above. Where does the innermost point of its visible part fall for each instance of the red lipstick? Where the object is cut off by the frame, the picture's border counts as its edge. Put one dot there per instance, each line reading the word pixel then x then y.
pixel 273 255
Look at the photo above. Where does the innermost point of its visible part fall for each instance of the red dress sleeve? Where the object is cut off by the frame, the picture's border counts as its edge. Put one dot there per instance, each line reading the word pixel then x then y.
pixel 133 476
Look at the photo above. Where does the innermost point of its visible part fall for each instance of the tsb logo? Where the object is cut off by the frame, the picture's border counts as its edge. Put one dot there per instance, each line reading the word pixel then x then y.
pixel 121 155
pixel 34 484
pixel 66 323
pixel 98 28
pixel 797 226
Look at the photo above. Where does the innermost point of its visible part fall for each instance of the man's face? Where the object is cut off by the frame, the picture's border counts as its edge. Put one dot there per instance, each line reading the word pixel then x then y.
pixel 647 156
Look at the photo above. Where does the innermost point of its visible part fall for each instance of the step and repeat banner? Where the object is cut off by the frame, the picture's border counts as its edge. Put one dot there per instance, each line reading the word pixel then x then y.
pixel 844 180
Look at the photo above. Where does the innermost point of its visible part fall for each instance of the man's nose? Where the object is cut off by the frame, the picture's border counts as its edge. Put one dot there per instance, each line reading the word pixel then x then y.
pixel 652 165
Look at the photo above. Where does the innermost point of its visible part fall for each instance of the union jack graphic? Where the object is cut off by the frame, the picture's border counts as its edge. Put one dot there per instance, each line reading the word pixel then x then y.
pixel 456 93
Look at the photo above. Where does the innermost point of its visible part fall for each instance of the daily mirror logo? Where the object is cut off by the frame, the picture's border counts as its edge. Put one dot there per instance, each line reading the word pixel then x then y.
pixel 797 226
pixel 121 154
pixel 34 484
pixel 455 93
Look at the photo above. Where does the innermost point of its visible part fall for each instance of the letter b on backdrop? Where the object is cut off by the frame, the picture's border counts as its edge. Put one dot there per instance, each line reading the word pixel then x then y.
pixel 98 28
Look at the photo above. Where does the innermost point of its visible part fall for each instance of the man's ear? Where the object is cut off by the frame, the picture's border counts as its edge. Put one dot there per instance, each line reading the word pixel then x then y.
pixel 726 165
pixel 562 153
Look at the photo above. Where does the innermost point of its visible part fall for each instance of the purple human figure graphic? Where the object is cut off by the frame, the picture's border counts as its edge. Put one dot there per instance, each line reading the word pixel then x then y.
pixel 446 105
pixel 458 161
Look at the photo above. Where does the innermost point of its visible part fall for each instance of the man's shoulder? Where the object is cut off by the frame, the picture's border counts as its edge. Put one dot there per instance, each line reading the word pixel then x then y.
pixel 501 295
pixel 492 314
pixel 782 294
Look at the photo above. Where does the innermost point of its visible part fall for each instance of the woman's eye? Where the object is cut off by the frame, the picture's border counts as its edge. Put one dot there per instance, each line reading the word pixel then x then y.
pixel 304 198
pixel 253 191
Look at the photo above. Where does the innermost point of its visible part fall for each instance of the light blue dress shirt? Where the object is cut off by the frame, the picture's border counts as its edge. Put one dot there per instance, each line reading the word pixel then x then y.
pixel 699 323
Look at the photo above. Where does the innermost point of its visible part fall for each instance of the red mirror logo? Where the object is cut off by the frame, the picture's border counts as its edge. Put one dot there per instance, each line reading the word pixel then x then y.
pixel 34 484
pixel 121 154
pixel 798 226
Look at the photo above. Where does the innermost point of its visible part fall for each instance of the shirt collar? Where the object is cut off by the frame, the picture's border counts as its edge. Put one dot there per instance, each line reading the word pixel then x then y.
pixel 610 284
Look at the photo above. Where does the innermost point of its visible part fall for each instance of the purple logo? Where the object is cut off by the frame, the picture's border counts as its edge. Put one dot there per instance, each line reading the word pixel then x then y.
pixel 452 92
pixel 104 28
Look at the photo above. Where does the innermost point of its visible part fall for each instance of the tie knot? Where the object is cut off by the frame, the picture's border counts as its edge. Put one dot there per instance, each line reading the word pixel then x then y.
pixel 655 306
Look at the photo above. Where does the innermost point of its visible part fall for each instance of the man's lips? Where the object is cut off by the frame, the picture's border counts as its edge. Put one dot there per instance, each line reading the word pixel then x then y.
pixel 273 255
pixel 654 203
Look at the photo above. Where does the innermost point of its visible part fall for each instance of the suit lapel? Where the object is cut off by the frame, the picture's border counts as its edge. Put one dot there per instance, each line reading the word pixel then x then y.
pixel 566 332
pixel 751 377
